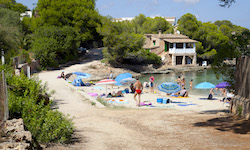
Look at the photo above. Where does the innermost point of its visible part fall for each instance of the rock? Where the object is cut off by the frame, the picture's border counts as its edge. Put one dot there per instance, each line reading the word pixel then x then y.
pixel 17 137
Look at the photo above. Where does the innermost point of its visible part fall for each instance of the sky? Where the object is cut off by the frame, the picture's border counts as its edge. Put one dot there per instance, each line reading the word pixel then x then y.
pixel 204 10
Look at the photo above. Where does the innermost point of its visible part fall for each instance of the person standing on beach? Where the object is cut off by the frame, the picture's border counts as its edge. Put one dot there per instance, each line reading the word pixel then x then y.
pixel 151 85
pixel 183 83
pixel 138 90
pixel 111 76
pixel 178 80
pixel 191 84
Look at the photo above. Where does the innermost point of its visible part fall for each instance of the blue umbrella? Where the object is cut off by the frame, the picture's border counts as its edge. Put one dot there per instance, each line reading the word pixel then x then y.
pixel 222 85
pixel 98 87
pixel 205 85
pixel 122 76
pixel 169 87
pixel 87 75
pixel 127 81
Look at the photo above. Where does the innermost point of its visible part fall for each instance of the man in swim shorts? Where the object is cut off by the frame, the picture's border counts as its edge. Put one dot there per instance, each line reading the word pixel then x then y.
pixel 138 90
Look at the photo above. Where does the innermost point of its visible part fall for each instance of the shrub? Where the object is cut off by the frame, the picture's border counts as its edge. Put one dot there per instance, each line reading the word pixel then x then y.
pixel 45 124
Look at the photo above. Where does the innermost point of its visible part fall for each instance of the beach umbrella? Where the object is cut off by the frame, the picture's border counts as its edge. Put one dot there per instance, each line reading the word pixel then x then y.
pixel 98 87
pixel 205 85
pixel 122 76
pixel 169 87
pixel 106 82
pixel 86 75
pixel 127 81
pixel 222 85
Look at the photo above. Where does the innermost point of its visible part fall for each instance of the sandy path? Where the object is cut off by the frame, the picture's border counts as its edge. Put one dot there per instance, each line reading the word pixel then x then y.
pixel 131 128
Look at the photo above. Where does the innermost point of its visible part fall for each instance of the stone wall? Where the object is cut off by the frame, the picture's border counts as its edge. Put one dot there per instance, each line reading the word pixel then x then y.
pixel 240 104
pixel 13 135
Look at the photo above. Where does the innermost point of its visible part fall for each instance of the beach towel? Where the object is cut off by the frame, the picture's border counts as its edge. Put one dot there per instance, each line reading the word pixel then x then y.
pixel 178 97
pixel 93 94
pixel 145 104
pixel 208 99
pixel 177 102
pixel 185 104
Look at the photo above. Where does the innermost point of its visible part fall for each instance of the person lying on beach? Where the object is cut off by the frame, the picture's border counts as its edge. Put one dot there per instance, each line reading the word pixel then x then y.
pixel 118 94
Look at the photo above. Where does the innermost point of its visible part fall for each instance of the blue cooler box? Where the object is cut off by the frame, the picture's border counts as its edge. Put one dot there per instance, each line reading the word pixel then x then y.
pixel 165 101
pixel 159 100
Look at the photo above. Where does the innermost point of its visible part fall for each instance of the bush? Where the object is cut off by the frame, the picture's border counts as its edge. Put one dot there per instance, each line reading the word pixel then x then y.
pixel 142 57
pixel 45 124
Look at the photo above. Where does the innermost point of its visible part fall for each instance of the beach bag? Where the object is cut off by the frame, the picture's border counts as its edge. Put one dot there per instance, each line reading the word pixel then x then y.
pixel 126 90
pixel 210 96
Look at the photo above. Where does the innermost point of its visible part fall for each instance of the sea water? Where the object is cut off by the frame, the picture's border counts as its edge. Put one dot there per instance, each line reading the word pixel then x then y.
pixel 207 75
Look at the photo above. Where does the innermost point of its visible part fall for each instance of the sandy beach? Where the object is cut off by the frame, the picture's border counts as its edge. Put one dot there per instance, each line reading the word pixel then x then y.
pixel 194 103
pixel 186 123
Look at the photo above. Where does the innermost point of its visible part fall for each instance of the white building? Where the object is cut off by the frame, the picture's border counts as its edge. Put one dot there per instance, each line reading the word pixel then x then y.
pixel 171 20
pixel 26 14
pixel 175 49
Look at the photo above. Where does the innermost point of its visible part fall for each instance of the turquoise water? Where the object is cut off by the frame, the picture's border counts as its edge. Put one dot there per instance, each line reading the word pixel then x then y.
pixel 207 75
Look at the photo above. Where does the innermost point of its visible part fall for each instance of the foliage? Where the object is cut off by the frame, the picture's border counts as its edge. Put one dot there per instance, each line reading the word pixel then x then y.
pixel 13 5
pixel 209 54
pixel 10 32
pixel 121 45
pixel 79 14
pixel 227 3
pixel 153 26
pixel 188 25
pixel 53 45
pixel 45 124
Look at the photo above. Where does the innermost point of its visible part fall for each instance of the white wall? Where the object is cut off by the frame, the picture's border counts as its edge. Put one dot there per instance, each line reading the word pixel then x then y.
pixel 175 50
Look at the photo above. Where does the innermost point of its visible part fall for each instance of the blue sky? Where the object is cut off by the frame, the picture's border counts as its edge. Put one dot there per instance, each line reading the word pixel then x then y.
pixel 205 10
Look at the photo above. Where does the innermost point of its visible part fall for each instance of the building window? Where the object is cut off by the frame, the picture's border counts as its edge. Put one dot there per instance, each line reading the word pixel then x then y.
pixel 179 45
pixel 189 45
pixel 154 42
pixel 171 45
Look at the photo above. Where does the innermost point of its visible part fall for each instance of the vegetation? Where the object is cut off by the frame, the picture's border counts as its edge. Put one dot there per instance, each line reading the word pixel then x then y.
pixel 217 39
pixel 123 45
pixel 28 99
pixel 10 32
pixel 53 45
pixel 13 5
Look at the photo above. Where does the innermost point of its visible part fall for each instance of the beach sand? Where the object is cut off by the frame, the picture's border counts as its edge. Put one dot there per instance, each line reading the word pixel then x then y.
pixel 204 125
pixel 195 103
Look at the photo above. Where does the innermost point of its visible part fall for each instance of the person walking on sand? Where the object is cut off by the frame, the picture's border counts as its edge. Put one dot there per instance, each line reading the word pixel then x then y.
pixel 138 90
pixel 191 84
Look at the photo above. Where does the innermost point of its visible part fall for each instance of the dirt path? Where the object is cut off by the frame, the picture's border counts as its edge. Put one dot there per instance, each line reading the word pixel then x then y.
pixel 106 128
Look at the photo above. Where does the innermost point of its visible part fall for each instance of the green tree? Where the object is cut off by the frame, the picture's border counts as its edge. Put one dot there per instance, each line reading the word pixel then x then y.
pixel 154 25
pixel 13 5
pixel 53 45
pixel 80 14
pixel 10 32
pixel 188 25
pixel 137 23
pixel 122 46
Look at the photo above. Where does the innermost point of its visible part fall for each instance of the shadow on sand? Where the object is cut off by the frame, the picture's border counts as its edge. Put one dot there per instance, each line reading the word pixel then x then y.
pixel 231 123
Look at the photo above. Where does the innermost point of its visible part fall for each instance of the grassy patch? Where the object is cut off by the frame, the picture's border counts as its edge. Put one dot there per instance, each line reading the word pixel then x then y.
pixel 102 101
